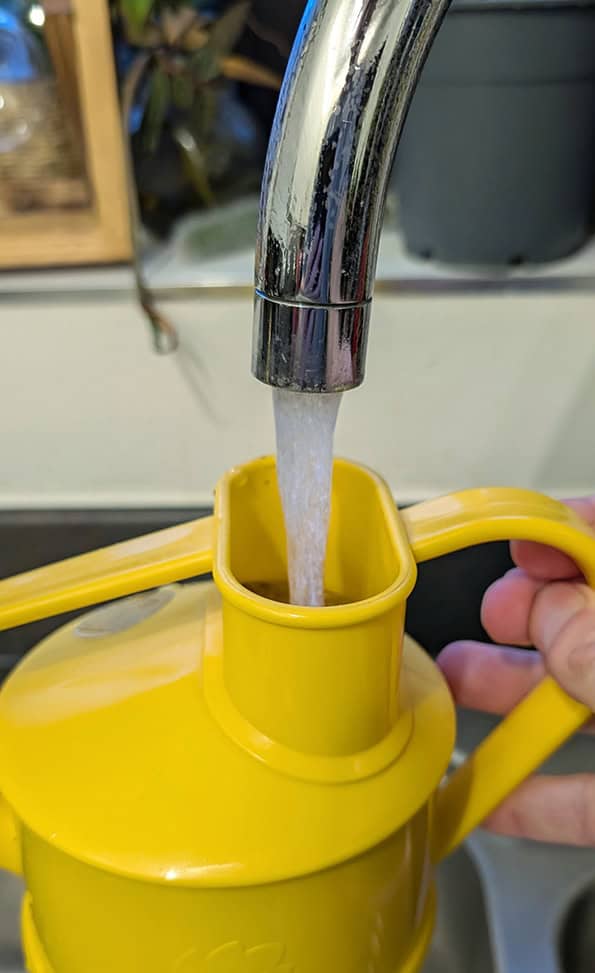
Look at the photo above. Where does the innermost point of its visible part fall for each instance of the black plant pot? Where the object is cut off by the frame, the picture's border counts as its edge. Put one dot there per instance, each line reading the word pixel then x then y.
pixel 497 161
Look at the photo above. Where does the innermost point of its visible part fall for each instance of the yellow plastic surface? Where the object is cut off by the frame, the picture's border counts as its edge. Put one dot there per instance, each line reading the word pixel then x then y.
pixel 35 957
pixel 548 716
pixel 266 955
pixel 374 912
pixel 371 908
pixel 234 781
pixel 321 681
pixel 10 850
pixel 228 739
pixel 163 557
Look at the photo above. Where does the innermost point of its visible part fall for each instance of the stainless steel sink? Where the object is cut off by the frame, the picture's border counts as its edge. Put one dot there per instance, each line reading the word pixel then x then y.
pixel 11 892
pixel 577 939
pixel 461 942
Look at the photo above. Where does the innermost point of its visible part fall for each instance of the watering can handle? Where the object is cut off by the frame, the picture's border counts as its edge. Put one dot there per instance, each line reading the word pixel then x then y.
pixel 123 569
pixel 547 717
pixel 535 728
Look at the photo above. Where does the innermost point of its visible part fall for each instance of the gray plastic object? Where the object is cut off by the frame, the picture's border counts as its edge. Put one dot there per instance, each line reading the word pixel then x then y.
pixel 496 164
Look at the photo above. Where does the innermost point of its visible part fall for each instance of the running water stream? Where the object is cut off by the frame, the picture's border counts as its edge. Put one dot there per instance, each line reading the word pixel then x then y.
pixel 305 426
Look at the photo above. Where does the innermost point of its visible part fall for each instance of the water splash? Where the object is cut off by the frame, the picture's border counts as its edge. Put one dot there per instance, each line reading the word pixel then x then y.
pixel 305 426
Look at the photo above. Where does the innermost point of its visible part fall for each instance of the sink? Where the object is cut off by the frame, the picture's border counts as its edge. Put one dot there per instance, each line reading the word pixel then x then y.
pixel 577 942
pixel 461 939
pixel 11 892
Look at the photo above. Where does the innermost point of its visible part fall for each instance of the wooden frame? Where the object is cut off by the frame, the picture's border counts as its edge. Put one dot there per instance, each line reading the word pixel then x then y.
pixel 99 233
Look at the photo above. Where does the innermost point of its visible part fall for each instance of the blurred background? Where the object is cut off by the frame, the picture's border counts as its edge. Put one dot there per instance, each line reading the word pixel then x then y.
pixel 132 141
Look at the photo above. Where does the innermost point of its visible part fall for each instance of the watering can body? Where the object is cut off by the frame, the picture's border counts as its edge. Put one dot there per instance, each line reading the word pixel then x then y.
pixel 198 778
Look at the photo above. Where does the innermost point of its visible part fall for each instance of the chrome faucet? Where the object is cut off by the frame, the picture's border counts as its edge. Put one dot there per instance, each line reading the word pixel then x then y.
pixel 348 85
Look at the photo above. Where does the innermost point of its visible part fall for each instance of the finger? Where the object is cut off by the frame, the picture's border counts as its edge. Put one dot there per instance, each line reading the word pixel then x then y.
pixel 545 563
pixel 507 605
pixel 491 678
pixel 553 809
pixel 562 626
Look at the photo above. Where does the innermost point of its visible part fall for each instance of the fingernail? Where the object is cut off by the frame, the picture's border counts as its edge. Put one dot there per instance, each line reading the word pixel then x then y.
pixel 555 605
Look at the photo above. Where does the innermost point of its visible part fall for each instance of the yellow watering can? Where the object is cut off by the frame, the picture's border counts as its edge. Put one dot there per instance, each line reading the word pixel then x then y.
pixel 199 779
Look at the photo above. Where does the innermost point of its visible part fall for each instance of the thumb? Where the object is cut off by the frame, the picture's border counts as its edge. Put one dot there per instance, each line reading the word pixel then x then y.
pixel 562 626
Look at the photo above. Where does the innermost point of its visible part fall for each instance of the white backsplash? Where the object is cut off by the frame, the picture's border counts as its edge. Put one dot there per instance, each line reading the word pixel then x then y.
pixel 460 391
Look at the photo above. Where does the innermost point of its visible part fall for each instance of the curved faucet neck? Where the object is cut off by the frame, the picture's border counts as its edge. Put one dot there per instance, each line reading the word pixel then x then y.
pixel 348 85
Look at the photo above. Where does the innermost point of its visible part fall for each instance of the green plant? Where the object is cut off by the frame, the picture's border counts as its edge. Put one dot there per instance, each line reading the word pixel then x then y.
pixel 183 52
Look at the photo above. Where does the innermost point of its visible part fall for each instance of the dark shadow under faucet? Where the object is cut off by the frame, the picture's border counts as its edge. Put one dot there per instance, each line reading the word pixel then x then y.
pixel 348 85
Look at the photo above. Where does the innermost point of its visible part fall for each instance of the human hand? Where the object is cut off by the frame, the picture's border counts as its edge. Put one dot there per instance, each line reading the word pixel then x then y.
pixel 541 602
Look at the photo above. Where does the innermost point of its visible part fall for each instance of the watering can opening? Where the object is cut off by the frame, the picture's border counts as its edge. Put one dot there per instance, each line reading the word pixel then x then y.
pixel 319 680
pixel 368 555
